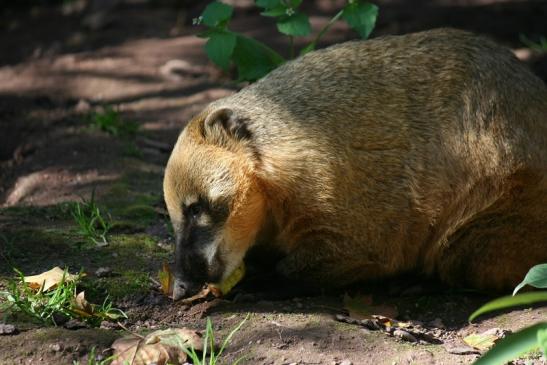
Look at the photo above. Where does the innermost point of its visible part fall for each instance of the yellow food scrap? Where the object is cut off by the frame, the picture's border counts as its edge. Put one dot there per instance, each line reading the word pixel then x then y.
pixel 235 277
pixel 166 279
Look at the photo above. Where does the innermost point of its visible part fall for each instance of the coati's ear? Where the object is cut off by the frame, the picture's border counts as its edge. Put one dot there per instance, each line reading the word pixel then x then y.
pixel 225 124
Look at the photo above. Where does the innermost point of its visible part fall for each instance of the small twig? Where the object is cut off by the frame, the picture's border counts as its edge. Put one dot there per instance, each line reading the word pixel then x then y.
pixel 127 330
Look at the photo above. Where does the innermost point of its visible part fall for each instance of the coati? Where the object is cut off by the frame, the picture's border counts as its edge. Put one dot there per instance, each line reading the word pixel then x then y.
pixel 423 152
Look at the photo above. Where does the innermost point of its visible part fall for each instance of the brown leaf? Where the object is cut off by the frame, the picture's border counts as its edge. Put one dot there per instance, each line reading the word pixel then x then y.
pixel 166 280
pixel 486 340
pixel 82 306
pixel 49 279
pixel 361 307
pixel 207 292
pixel 159 347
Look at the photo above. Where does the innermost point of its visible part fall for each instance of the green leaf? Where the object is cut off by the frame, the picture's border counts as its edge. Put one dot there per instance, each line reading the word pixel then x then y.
pixel 510 301
pixel 513 346
pixel 275 12
pixel 536 277
pixel 216 13
pixel 269 4
pixel 361 16
pixel 297 24
pixel 220 48
pixel 254 59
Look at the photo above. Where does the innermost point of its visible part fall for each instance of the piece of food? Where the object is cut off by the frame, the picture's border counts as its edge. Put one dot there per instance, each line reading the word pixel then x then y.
pixel 235 277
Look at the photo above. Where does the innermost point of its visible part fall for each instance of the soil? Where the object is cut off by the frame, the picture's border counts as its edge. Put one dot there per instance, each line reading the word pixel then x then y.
pixel 58 66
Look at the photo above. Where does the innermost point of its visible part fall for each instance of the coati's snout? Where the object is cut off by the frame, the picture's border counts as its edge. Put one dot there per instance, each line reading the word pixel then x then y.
pixel 214 201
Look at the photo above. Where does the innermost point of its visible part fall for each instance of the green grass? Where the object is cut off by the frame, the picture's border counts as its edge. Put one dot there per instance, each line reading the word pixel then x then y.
pixel 209 346
pixel 111 122
pixel 93 225
pixel 540 45
pixel 47 307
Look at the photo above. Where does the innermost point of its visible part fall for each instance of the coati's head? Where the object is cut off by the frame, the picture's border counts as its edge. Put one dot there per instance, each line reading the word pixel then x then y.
pixel 213 198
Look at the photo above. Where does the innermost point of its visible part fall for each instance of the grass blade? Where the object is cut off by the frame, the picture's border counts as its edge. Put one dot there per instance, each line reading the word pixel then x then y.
pixel 229 337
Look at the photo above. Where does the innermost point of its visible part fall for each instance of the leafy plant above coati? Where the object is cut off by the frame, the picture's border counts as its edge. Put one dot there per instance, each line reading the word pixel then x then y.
pixel 254 59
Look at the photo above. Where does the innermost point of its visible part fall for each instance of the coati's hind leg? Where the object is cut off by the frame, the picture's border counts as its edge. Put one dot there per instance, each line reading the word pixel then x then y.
pixel 495 250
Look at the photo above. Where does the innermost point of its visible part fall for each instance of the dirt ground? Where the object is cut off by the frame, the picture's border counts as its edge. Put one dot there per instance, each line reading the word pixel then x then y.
pixel 58 65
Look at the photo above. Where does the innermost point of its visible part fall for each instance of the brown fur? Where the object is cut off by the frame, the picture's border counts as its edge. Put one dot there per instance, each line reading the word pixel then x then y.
pixel 419 152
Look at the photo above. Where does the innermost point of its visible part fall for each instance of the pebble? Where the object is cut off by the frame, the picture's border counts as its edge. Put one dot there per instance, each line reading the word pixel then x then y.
pixel 56 347
pixel 462 350
pixel 345 362
pixel 437 323
pixel 404 335
pixel 498 332
pixel 370 324
pixel 103 272
pixel 74 324
pixel 108 325
pixel 7 329
pixel 83 106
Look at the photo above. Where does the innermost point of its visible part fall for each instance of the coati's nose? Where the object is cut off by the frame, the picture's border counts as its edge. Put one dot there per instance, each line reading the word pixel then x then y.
pixel 179 289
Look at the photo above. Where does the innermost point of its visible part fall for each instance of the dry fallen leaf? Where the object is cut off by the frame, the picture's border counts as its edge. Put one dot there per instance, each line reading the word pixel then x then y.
pixel 480 341
pixel 49 279
pixel 82 306
pixel 486 340
pixel 361 307
pixel 159 347
pixel 166 280
pixel 208 291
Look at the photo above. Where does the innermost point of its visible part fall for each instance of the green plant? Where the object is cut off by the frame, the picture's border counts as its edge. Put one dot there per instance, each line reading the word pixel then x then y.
pixel 528 339
pixel 111 122
pixel 254 59
pixel 209 346
pixel 91 222
pixel 540 45
pixel 47 306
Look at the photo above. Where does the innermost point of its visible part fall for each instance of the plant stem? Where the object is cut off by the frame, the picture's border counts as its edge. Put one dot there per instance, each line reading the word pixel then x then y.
pixel 291 40
pixel 327 27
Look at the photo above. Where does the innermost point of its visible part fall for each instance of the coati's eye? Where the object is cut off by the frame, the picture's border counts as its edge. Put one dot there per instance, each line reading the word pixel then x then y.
pixel 195 210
